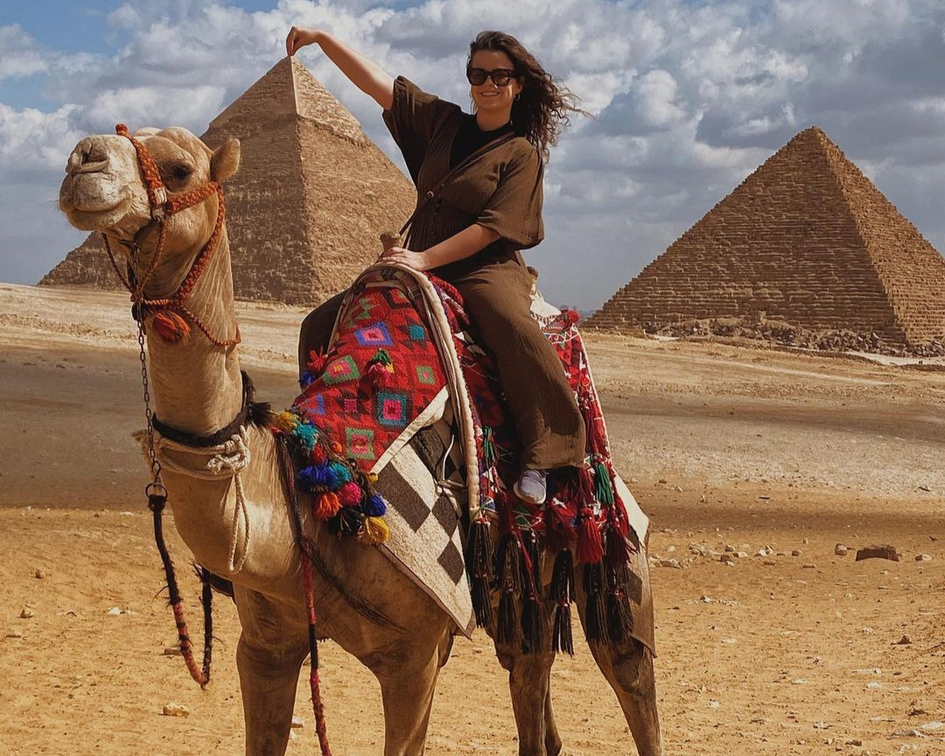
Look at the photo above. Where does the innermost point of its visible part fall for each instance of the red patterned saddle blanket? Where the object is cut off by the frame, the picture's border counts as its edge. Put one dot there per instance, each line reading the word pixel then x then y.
pixel 402 344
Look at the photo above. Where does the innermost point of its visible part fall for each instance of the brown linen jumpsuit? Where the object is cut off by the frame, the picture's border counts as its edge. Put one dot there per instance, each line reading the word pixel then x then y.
pixel 499 186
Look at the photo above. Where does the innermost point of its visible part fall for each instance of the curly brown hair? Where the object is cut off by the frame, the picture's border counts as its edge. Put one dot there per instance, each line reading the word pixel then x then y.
pixel 543 105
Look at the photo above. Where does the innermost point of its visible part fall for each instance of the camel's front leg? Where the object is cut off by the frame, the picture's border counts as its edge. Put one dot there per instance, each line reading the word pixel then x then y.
pixel 270 653
pixel 407 672
pixel 268 681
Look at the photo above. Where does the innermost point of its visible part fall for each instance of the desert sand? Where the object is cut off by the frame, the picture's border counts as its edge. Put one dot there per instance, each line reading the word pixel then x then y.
pixel 725 446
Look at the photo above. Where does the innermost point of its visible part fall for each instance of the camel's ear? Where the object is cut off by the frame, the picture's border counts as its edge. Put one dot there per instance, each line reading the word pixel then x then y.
pixel 225 161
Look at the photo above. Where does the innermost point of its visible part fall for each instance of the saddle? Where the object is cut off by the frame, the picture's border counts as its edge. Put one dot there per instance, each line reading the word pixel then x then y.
pixel 416 451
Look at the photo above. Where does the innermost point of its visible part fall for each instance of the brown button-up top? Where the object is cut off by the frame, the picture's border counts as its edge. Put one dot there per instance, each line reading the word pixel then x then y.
pixel 498 186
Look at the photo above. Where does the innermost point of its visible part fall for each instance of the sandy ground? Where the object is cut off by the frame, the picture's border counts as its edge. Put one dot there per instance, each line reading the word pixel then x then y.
pixel 724 446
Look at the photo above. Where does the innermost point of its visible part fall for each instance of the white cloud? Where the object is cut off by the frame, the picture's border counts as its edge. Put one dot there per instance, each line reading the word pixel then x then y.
pixel 33 140
pixel 656 94
pixel 147 106
pixel 19 53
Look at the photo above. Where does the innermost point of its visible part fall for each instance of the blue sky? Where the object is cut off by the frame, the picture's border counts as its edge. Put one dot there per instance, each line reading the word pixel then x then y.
pixel 690 97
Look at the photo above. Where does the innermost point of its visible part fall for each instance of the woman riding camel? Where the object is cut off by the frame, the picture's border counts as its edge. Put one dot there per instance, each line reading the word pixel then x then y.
pixel 479 200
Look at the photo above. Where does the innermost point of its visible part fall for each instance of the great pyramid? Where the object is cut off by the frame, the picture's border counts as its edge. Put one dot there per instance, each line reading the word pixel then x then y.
pixel 806 239
pixel 310 199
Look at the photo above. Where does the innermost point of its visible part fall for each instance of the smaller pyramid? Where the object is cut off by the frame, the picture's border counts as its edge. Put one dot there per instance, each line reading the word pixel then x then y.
pixel 806 238
pixel 305 210
pixel 86 266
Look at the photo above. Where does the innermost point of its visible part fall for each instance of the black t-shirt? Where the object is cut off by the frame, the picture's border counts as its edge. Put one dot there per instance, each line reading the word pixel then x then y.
pixel 470 138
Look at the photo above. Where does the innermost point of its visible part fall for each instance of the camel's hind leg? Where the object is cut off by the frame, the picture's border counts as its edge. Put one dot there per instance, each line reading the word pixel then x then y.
pixel 530 682
pixel 530 686
pixel 628 667
pixel 407 672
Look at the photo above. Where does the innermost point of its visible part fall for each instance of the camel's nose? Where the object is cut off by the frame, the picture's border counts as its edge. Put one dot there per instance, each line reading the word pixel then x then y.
pixel 89 156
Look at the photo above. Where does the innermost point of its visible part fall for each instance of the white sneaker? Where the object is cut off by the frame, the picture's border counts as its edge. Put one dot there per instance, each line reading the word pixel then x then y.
pixel 530 487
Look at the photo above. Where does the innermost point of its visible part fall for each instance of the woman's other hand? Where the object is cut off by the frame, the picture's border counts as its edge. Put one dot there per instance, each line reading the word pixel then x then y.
pixel 415 260
pixel 298 38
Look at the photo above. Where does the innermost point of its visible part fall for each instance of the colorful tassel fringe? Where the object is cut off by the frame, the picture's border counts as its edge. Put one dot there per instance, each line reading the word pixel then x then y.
pixel 342 495
pixel 380 369
pixel 479 568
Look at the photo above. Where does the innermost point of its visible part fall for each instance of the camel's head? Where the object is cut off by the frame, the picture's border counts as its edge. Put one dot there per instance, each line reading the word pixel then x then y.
pixel 104 188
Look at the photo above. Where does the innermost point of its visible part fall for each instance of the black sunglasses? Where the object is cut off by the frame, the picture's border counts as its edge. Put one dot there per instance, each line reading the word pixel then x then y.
pixel 500 76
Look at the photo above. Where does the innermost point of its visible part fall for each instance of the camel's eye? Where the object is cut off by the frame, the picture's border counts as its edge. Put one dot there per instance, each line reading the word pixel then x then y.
pixel 181 172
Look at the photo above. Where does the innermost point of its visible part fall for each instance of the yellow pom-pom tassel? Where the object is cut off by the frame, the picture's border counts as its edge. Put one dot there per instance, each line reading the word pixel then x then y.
pixel 286 422
pixel 328 505
pixel 372 477
pixel 375 531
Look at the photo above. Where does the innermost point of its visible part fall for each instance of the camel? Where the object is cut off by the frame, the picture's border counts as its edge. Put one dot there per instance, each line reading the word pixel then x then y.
pixel 365 604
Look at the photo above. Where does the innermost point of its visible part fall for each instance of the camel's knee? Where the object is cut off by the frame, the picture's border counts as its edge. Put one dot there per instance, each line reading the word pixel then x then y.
pixel 263 662
pixel 513 660
pixel 523 667
pixel 632 665
pixel 506 654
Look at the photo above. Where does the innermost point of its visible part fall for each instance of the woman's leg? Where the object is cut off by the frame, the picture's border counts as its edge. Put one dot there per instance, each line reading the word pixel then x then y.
pixel 316 328
pixel 546 415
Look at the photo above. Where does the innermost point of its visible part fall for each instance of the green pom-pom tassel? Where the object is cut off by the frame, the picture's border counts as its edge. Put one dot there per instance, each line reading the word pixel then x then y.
pixel 305 434
pixel 382 356
pixel 603 492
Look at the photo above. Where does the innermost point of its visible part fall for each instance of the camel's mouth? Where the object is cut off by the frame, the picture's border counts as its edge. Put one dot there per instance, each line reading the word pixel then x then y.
pixel 94 201
pixel 95 218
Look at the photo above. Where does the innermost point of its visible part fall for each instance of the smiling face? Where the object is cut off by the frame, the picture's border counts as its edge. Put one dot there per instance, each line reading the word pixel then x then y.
pixel 487 97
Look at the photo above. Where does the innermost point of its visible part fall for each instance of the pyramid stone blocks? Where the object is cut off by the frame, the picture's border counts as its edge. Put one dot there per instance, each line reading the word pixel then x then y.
pixel 806 238
pixel 306 208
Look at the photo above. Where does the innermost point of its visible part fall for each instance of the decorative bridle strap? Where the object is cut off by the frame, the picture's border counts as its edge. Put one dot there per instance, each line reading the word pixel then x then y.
pixel 171 327
pixel 162 205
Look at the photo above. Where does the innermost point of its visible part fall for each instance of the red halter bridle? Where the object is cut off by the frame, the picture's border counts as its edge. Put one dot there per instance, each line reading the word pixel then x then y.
pixel 166 313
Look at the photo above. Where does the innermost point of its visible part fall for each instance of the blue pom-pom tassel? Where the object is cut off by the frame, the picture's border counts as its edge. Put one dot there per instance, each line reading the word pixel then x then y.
pixel 307 377
pixel 340 472
pixel 374 506
pixel 317 477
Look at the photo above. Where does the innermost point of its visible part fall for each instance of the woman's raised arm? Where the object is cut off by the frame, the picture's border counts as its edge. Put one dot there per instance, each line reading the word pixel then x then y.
pixel 365 74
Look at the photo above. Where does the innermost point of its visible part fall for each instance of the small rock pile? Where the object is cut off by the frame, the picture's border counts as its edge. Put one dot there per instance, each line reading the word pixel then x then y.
pixel 779 332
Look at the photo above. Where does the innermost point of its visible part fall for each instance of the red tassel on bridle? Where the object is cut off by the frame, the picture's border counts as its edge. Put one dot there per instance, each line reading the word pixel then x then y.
pixel 170 326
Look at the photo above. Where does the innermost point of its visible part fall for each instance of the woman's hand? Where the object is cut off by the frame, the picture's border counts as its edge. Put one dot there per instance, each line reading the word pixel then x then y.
pixel 298 38
pixel 415 260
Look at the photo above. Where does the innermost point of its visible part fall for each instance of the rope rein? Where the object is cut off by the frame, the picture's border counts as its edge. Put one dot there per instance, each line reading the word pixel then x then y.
pixel 306 545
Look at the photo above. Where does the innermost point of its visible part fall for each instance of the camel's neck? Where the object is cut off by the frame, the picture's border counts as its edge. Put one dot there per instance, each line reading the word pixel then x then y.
pixel 197 385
